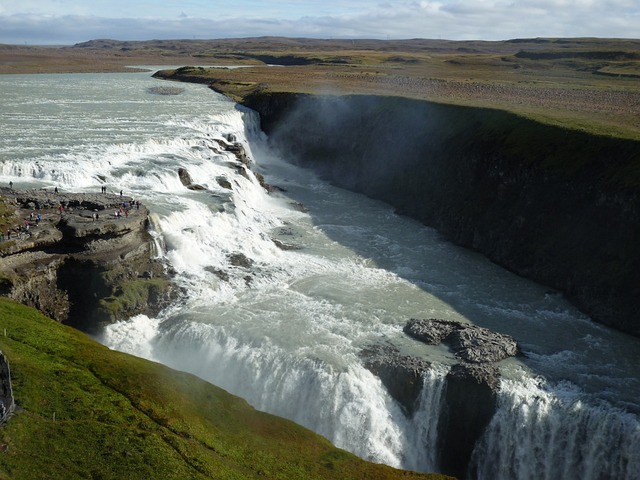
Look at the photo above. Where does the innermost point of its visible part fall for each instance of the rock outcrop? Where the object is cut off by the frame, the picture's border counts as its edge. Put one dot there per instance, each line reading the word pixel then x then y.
pixel 468 342
pixel 400 374
pixel 472 384
pixel 82 259
pixel 470 398
pixel 7 402
pixel 187 181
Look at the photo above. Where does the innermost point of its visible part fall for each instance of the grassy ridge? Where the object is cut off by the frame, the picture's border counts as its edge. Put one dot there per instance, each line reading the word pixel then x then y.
pixel 85 411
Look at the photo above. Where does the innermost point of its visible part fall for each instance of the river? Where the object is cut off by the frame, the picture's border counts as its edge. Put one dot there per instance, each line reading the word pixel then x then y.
pixel 284 328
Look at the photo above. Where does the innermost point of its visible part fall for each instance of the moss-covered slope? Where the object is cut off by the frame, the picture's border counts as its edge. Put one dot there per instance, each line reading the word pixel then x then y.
pixel 84 411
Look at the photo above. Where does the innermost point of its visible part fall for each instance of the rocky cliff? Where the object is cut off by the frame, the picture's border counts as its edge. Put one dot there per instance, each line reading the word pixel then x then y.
pixel 82 259
pixel 471 390
pixel 554 205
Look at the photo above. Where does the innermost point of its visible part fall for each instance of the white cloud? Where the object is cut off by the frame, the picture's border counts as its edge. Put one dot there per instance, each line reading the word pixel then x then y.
pixel 482 19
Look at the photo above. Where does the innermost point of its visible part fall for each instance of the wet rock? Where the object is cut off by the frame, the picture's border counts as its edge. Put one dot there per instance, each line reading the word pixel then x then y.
pixel 472 384
pixel 240 260
pixel 224 183
pixel 400 374
pixel 299 206
pixel 187 181
pixel 236 148
pixel 431 332
pixel 221 274
pixel 263 183
pixel 469 405
pixel 285 246
pixel 468 342
pixel 185 177
pixel 241 170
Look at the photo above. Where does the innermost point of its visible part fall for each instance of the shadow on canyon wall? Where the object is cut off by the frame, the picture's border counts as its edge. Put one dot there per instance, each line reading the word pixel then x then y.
pixel 549 204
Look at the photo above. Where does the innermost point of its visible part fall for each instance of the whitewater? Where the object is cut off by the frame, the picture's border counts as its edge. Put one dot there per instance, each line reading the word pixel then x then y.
pixel 324 274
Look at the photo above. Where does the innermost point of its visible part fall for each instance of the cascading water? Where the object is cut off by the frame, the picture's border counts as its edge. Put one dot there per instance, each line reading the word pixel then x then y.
pixel 284 290
pixel 550 432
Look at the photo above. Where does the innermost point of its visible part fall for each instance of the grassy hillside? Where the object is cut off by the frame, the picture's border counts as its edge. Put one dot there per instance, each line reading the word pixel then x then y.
pixel 85 411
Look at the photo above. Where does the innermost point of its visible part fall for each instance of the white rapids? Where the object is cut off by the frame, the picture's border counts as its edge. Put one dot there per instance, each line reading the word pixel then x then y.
pixel 283 327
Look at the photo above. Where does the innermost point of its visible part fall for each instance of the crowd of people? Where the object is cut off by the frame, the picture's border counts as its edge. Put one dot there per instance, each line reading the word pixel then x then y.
pixel 22 230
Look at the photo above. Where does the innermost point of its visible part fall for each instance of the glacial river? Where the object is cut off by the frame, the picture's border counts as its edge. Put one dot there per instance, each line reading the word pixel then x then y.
pixel 284 331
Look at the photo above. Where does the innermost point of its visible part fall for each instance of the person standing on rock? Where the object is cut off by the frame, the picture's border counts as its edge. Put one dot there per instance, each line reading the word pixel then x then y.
pixel 11 185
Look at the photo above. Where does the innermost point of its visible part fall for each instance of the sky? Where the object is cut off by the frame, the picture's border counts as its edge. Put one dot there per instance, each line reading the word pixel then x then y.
pixel 64 22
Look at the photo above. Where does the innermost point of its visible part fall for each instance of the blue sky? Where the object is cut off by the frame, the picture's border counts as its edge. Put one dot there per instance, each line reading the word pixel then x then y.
pixel 71 21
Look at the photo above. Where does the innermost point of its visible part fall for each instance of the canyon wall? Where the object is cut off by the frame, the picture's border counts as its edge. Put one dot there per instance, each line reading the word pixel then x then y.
pixel 558 206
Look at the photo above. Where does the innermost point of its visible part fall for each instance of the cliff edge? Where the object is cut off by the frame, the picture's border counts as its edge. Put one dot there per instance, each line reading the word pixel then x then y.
pixel 83 259
pixel 558 206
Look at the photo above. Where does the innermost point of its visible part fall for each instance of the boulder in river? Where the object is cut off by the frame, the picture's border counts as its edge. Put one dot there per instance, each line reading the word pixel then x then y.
pixel 468 342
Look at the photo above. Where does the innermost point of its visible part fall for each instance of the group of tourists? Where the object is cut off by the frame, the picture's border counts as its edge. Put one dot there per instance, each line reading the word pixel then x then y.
pixel 21 231
pixel 34 219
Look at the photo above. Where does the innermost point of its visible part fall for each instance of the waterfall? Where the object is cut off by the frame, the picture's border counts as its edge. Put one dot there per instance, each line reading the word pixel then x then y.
pixel 285 328
pixel 540 432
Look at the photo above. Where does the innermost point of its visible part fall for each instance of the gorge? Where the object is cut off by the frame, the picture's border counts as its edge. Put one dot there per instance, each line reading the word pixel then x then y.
pixel 285 289
pixel 547 203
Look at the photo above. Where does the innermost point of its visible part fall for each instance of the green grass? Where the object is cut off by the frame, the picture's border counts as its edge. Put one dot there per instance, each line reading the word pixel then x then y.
pixel 84 411
pixel 133 295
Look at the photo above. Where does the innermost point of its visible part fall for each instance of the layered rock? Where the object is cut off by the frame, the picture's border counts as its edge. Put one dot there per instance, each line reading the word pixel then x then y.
pixel 86 261
pixel 472 384
pixel 468 342
pixel 400 374
pixel 470 398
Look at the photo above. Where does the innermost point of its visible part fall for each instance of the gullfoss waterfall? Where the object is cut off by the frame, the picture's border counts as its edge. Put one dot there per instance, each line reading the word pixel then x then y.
pixel 283 291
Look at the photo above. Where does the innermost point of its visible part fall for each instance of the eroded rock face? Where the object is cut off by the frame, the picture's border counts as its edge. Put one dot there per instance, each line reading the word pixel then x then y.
pixel 400 374
pixel 80 263
pixel 469 405
pixel 472 384
pixel 185 177
pixel 187 181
